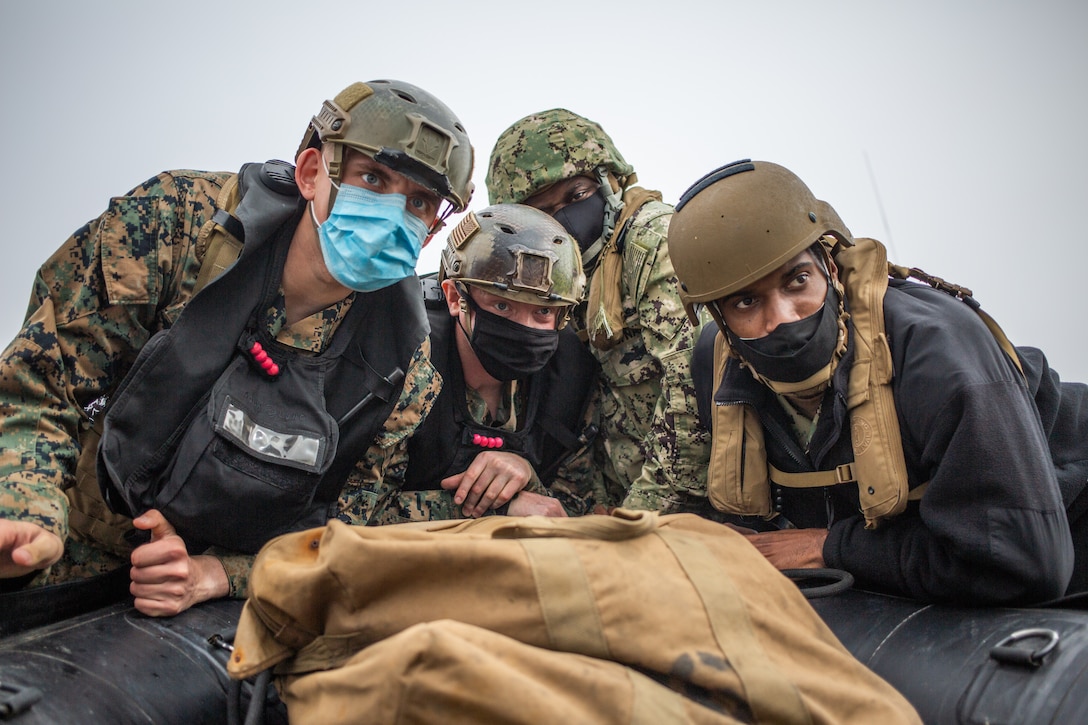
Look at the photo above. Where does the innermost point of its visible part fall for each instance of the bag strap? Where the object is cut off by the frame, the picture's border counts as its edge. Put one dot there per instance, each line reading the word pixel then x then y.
pixel 770 695
pixel 566 597
pixel 620 525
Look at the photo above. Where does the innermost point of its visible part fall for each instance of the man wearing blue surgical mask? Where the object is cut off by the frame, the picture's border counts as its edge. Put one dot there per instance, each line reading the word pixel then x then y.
pixel 249 347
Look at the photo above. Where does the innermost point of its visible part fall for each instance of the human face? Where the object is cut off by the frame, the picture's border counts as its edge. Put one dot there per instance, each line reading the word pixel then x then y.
pixel 539 317
pixel 360 170
pixel 563 193
pixel 792 292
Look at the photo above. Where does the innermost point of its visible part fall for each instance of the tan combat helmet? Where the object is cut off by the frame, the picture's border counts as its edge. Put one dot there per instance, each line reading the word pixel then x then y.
pixel 738 224
pixel 403 127
pixel 516 252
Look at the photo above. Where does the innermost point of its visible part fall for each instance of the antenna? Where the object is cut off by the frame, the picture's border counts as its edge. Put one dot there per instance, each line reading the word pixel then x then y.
pixel 880 206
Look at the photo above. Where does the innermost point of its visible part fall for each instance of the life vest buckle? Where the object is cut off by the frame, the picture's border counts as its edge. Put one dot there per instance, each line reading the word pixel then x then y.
pixel 845 473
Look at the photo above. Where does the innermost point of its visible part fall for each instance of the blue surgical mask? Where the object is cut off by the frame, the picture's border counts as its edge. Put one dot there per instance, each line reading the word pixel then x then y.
pixel 370 240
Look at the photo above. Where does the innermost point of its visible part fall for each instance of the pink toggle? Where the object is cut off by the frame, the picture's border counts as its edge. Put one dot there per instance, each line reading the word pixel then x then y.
pixel 273 370
pixel 255 348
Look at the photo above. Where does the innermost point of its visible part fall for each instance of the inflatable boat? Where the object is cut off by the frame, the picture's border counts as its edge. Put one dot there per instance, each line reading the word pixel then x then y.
pixel 81 658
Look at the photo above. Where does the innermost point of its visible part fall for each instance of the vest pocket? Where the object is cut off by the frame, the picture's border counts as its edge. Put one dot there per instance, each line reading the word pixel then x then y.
pixel 232 498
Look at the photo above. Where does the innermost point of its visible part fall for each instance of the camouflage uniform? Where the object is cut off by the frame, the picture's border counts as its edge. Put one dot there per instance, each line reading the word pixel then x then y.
pixel 653 450
pixel 544 403
pixel 95 303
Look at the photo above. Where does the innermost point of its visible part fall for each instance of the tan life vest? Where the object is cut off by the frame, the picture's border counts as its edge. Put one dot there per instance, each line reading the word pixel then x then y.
pixel 89 518
pixel 739 478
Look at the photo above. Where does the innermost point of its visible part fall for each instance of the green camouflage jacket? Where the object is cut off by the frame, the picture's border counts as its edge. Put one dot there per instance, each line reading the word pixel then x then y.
pixel 95 303
pixel 651 445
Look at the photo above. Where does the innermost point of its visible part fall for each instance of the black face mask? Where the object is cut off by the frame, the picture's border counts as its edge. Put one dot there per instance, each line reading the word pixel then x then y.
pixel 507 350
pixel 795 351
pixel 584 220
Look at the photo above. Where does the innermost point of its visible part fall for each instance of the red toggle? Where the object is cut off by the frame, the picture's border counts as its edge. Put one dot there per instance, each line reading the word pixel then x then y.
pixel 256 350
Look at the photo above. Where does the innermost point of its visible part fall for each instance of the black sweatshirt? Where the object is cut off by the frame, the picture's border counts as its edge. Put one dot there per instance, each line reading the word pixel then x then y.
pixel 1004 460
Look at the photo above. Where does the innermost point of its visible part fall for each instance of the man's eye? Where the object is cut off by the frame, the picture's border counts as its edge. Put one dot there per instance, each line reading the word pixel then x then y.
pixel 371 179
pixel 743 303
pixel 801 279
pixel 582 192
pixel 417 203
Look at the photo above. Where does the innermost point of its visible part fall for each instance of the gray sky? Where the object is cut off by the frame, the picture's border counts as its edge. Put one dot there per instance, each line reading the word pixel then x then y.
pixel 969 113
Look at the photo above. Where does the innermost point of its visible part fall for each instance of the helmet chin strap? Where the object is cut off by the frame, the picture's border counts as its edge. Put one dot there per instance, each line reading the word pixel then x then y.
pixel 333 170
pixel 613 204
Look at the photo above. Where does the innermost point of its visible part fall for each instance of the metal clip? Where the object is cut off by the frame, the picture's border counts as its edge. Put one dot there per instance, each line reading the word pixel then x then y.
pixel 1006 653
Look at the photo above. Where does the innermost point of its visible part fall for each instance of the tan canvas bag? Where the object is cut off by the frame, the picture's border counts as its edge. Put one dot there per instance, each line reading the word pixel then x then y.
pixel 448 672
pixel 679 597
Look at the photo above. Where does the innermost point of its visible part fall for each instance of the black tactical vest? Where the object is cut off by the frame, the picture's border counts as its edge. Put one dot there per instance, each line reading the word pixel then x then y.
pixel 229 453
pixel 550 426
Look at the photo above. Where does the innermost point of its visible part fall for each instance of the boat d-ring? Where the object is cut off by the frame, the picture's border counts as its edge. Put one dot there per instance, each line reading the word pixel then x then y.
pixel 1006 652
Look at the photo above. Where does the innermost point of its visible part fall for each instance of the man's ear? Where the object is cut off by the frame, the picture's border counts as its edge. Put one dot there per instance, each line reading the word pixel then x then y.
pixel 453 297
pixel 307 167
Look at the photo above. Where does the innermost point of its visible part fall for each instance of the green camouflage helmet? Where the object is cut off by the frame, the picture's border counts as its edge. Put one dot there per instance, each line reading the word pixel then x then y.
pixel 516 252
pixel 547 147
pixel 402 126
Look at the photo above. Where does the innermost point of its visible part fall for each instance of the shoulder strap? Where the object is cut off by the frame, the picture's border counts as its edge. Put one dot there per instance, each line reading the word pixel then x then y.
pixel 961 293
pixel 220 236
pixel 737 480
pixel 270 196
pixel 604 314
pixel 879 463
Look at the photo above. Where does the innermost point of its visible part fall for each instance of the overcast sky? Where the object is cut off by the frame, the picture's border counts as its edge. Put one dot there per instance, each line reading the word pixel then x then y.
pixel 952 130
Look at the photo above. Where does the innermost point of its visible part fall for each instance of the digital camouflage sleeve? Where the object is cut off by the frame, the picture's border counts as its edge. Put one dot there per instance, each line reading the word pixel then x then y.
pixel 95 302
pixel 651 443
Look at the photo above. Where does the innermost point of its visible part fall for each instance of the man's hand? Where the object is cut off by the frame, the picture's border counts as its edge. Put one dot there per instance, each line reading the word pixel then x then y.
pixel 492 479
pixel 26 547
pixel 791 548
pixel 165 579
pixel 528 503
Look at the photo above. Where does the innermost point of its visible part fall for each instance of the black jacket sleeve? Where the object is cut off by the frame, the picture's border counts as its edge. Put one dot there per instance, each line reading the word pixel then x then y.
pixel 991 527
